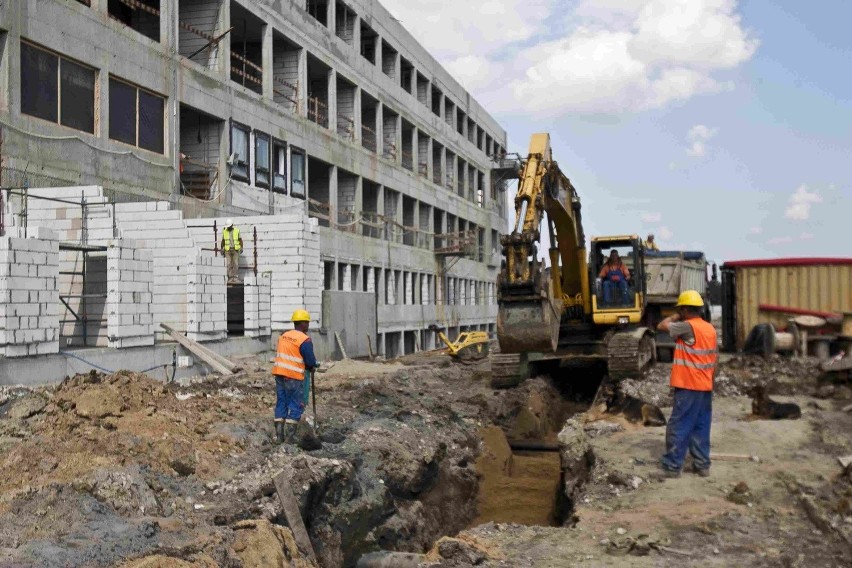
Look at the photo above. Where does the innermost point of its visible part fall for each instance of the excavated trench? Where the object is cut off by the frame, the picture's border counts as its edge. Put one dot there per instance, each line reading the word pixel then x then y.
pixel 408 457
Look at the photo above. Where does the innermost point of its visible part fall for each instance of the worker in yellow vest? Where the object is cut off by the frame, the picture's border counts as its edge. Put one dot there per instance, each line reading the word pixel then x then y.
pixel 232 245
pixel 294 356
pixel 694 366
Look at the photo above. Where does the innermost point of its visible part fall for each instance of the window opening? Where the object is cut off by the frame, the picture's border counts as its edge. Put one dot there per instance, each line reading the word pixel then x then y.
pixel 297 173
pixel 136 116
pixel 279 164
pixel 142 16
pixel 261 159
pixel 57 89
pixel 239 158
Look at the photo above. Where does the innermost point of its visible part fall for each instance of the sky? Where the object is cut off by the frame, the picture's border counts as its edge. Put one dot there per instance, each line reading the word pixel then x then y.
pixel 718 125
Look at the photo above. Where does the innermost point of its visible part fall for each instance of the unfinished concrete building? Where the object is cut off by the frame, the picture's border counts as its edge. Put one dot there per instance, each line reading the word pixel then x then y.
pixel 358 169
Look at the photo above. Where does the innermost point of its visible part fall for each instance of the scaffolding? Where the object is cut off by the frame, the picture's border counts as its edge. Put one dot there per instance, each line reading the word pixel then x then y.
pixel 81 315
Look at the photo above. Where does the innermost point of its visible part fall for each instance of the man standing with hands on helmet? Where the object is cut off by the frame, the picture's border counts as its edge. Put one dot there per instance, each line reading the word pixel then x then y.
pixel 693 368
pixel 294 357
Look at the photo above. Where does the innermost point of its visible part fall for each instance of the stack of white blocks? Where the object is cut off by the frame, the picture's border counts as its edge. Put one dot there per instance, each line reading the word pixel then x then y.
pixel 29 299
pixel 258 304
pixel 288 249
pixel 206 297
pixel 130 293
pixel 165 234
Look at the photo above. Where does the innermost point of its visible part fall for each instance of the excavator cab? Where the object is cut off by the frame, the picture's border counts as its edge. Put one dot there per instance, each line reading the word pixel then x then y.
pixel 619 294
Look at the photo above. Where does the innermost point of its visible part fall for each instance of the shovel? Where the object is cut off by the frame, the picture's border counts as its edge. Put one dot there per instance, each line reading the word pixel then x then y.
pixel 314 401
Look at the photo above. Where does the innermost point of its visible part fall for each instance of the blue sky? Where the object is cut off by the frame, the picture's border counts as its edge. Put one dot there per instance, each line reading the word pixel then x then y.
pixel 719 125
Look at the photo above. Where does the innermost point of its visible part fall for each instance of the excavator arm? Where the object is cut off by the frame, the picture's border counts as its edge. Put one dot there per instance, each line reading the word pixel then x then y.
pixel 533 300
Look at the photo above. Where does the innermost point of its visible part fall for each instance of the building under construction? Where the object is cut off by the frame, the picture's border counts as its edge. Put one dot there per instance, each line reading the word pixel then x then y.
pixel 361 174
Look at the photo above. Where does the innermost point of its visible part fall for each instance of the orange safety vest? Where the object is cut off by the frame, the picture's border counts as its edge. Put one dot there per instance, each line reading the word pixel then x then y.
pixel 693 365
pixel 288 360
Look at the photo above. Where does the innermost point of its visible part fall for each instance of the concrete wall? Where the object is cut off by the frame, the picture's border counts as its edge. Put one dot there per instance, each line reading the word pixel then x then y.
pixel 258 305
pixel 130 295
pixel 352 315
pixel 206 297
pixel 29 299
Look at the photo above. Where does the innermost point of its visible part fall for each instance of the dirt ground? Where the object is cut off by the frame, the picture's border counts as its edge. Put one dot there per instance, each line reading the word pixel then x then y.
pixel 123 470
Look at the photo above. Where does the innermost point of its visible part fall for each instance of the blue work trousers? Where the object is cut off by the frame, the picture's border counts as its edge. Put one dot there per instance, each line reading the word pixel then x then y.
pixel 689 427
pixel 615 292
pixel 289 403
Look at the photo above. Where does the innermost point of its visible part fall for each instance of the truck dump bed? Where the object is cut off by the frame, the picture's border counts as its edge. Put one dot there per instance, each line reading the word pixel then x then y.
pixel 671 272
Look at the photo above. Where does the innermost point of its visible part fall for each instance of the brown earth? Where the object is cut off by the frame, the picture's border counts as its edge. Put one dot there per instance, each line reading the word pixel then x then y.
pixel 123 470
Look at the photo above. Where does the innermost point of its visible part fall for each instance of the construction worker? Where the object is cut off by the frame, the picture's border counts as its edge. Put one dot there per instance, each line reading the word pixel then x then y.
pixel 650 244
pixel 232 245
pixel 614 276
pixel 693 368
pixel 294 357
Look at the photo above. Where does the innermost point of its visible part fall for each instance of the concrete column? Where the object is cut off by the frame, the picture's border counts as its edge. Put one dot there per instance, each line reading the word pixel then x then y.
pixel 168 25
pixel 332 99
pixel 303 82
pixel 266 62
pixel 331 16
pixel 430 165
pixel 332 196
pixel 429 95
pixel 398 137
pixel 356 35
pixel 371 278
pixel 356 115
pixel 359 198
pixel 452 166
pixel 378 40
pixel 223 65
pixel 380 134
pixel 443 158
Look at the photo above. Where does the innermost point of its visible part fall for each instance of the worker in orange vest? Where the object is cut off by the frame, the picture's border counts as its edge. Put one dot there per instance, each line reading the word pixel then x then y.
pixel 693 368
pixel 294 357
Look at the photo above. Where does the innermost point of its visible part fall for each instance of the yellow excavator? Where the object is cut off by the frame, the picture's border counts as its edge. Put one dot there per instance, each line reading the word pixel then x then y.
pixel 564 313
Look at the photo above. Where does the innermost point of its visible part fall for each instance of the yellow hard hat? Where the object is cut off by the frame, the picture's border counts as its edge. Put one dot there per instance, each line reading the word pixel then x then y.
pixel 690 298
pixel 300 315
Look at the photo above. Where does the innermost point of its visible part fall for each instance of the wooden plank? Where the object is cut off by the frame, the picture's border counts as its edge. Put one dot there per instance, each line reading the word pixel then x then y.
pixel 294 517
pixel 340 344
pixel 733 457
pixel 212 359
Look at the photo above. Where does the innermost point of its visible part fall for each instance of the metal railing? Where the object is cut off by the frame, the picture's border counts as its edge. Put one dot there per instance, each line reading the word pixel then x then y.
pixel 318 111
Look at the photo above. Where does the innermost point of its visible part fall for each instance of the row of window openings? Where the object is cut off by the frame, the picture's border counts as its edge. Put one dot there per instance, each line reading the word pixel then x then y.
pixel 476 292
pixel 266 158
pixel 318 9
pixel 143 16
pixel 59 90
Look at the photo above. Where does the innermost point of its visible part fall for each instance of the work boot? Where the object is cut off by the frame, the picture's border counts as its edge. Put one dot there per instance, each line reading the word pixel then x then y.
pixel 701 472
pixel 664 474
pixel 279 431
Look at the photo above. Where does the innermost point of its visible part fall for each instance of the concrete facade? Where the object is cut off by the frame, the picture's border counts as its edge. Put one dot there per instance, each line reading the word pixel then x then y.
pixel 371 162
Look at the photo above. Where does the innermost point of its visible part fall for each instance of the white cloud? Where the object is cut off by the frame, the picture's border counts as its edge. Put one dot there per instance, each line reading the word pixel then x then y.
pixel 651 217
pixel 779 240
pixel 698 137
pixel 755 231
pixel 599 56
pixel 799 208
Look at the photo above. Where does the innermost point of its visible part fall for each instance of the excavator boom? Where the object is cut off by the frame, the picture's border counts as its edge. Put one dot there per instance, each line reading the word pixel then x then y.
pixel 532 299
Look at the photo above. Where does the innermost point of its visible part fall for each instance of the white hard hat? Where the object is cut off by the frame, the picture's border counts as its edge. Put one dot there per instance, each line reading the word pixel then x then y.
pixel 229 222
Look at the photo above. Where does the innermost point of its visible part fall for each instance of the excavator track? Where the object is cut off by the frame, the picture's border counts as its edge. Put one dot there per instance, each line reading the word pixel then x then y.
pixel 629 354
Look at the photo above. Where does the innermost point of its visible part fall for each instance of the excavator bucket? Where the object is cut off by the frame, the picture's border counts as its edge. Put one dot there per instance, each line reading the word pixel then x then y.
pixel 527 326
pixel 531 322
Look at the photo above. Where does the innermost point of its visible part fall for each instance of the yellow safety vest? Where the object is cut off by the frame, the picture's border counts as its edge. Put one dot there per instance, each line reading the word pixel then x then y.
pixel 232 239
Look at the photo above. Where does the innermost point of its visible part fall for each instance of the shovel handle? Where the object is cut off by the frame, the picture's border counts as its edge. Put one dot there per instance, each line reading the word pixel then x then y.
pixel 314 399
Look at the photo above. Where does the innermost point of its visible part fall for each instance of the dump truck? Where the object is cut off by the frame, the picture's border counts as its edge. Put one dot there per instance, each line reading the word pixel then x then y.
pixel 553 312
pixel 669 273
